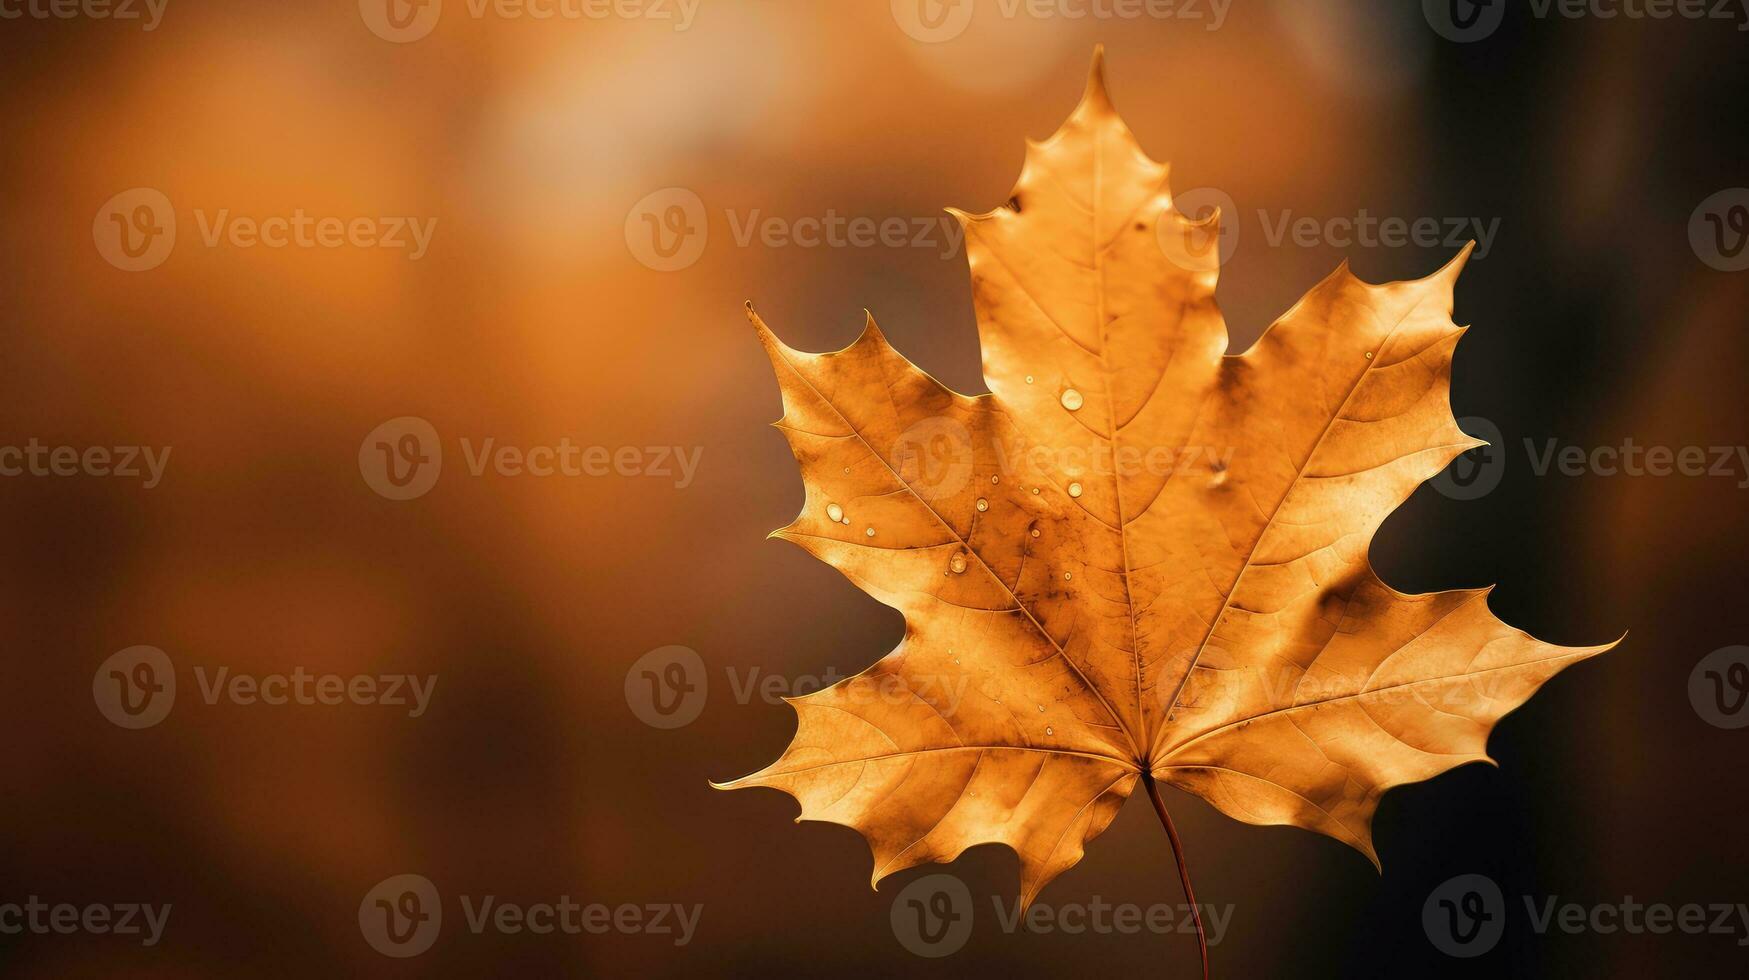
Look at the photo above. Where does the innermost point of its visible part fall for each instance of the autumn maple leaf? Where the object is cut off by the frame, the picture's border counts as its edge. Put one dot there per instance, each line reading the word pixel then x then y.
pixel 1139 558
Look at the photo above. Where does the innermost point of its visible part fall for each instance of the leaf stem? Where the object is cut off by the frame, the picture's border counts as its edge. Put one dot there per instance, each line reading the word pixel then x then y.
pixel 1202 942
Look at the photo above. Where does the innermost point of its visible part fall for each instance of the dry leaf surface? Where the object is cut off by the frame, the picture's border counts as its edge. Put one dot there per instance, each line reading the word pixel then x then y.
pixel 1138 554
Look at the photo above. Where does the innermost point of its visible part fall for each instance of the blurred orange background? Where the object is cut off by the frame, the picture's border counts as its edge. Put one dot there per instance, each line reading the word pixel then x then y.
pixel 530 319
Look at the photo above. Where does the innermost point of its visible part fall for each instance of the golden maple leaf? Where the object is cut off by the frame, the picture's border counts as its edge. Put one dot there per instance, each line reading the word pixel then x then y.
pixel 1139 558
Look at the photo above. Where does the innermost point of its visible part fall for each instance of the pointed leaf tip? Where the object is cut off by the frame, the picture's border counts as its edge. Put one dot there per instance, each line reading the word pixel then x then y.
pixel 1449 272
pixel 871 331
pixel 775 347
pixel 1096 90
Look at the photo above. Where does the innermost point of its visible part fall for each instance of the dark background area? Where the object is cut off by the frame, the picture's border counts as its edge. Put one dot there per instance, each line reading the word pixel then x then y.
pixel 1591 140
